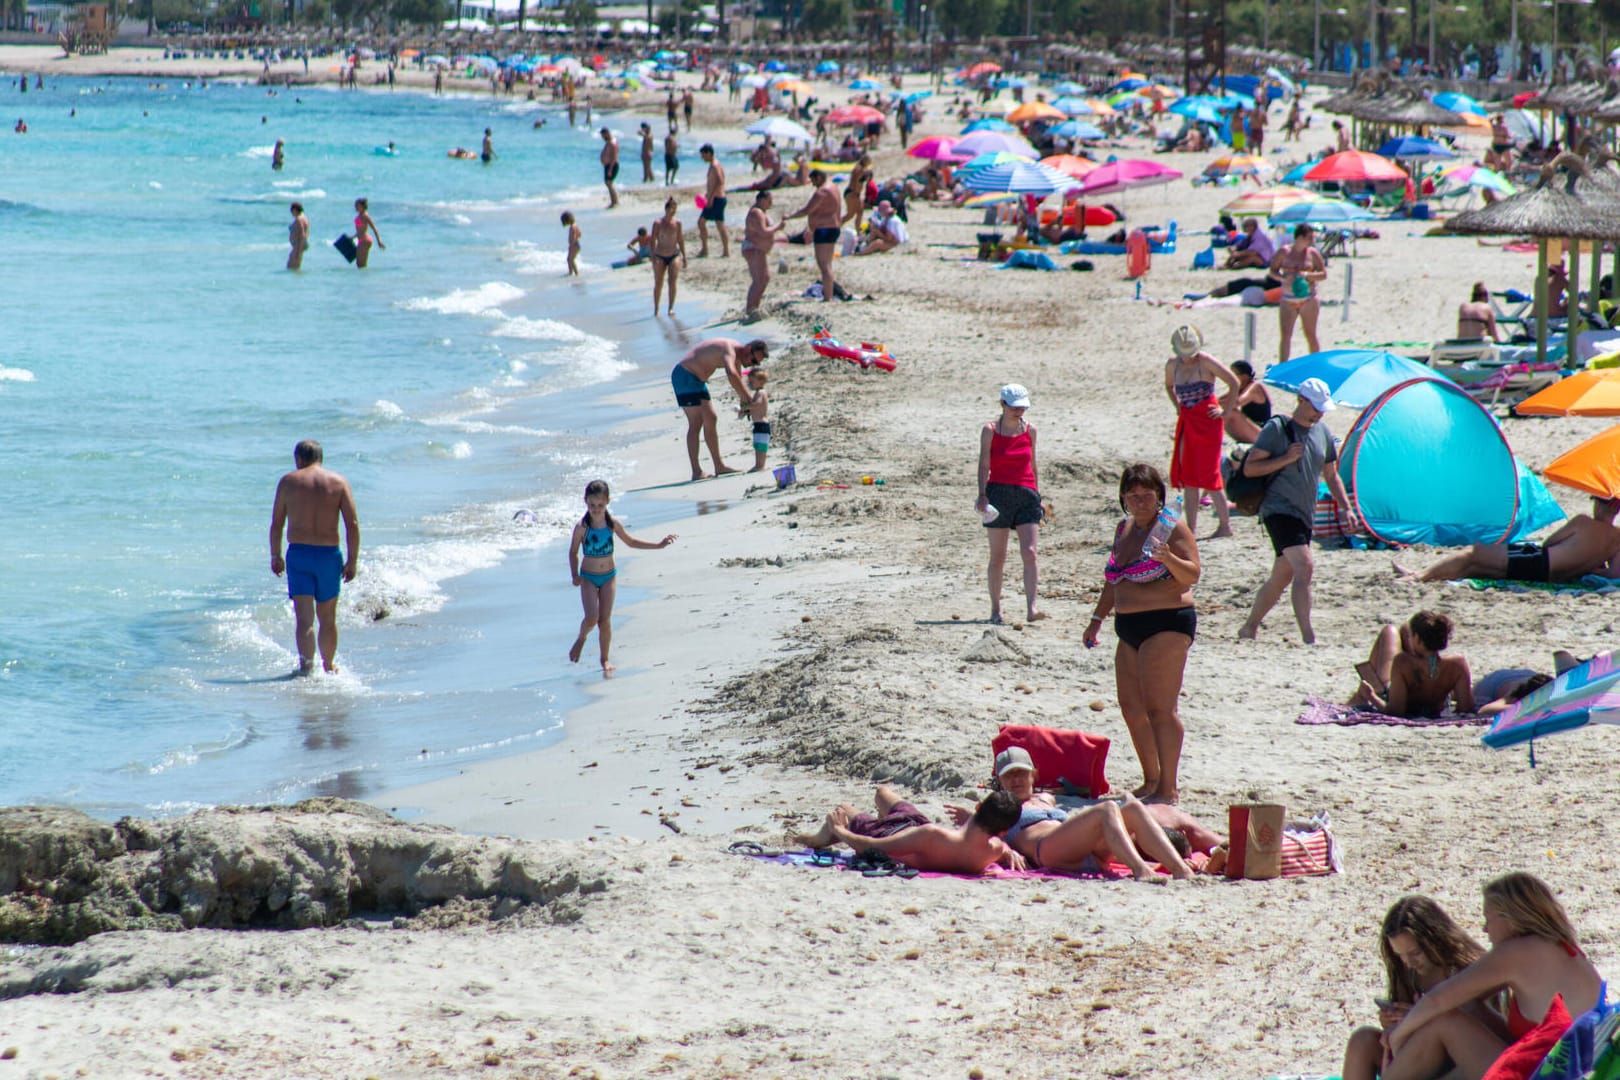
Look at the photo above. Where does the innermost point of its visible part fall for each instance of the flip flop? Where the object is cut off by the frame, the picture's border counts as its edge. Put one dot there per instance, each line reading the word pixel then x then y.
pixel 745 847
pixel 823 857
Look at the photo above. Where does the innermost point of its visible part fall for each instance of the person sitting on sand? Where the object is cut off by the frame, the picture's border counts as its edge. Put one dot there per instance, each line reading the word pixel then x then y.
pixel 1421 946
pixel 907 836
pixel 884 231
pixel 1582 545
pixel 1535 960
pixel 1253 405
pixel 1253 249
pixel 1086 840
pixel 1476 321
pixel 1406 675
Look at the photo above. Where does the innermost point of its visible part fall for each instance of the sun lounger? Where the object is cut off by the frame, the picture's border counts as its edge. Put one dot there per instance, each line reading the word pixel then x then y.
pixel 1337 242
pixel 1513 305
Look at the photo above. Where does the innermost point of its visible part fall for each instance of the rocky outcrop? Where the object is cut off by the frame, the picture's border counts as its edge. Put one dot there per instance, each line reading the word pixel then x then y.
pixel 65 876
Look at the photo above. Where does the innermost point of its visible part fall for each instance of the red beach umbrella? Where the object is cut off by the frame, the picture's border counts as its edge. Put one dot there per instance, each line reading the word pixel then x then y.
pixel 1356 165
pixel 850 115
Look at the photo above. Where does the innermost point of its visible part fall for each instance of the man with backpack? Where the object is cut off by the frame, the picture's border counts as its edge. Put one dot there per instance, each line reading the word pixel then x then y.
pixel 1291 453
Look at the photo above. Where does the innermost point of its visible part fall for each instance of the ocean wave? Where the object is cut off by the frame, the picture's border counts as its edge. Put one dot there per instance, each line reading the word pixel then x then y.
pixel 459 450
pixel 11 206
pixel 484 427
pixel 387 410
pixel 527 329
pixel 486 300
pixel 275 196
pixel 258 151
pixel 288 183
pixel 15 374
pixel 532 258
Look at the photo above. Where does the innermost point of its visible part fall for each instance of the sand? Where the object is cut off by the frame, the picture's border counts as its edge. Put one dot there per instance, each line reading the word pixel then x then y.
pixel 806 681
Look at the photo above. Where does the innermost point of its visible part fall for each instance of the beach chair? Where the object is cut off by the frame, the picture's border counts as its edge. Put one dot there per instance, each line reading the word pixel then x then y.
pixel 1510 306
pixel 1337 242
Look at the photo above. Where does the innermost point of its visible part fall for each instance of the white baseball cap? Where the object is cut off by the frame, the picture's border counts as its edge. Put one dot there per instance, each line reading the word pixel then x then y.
pixel 1015 396
pixel 1011 759
pixel 1316 392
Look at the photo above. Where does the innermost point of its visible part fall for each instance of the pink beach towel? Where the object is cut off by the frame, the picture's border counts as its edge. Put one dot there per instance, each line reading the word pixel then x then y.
pixel 1320 711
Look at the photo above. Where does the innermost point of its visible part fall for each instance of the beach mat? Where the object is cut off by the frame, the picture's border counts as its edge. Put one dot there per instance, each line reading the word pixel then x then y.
pixel 1591 583
pixel 1319 711
pixel 842 861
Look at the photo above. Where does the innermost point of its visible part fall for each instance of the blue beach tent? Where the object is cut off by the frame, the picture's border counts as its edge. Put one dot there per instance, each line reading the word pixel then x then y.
pixel 1427 464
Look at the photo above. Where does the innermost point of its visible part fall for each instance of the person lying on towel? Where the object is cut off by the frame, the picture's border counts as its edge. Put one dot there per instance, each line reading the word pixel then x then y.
pixel 909 837
pixel 1583 545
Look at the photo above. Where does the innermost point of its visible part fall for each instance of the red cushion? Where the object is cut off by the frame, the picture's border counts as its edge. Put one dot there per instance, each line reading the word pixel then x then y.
pixel 1077 756
pixel 1522 1058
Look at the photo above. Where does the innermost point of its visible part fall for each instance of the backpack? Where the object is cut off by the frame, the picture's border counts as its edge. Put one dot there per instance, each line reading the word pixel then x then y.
pixel 1245 493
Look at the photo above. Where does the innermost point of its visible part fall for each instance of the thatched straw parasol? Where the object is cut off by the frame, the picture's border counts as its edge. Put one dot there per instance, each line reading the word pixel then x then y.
pixel 1550 210
pixel 1410 109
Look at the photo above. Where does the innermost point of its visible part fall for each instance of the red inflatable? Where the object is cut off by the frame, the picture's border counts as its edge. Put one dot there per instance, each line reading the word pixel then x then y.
pixel 867 356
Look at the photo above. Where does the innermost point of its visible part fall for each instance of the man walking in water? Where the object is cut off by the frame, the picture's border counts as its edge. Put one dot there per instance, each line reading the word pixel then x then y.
pixel 309 502
pixel 610 165
pixel 690 380
pixel 714 207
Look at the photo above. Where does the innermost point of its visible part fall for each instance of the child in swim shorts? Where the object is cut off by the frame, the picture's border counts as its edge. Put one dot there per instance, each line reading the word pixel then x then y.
pixel 759 409
pixel 590 561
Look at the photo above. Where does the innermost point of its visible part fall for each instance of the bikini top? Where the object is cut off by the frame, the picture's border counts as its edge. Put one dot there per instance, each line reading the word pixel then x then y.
pixel 1141 572
pixel 598 542
pixel 1520 1025
pixel 1194 393
pixel 1031 815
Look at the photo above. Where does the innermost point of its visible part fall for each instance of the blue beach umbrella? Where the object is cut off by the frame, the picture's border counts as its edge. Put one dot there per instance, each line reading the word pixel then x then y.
pixel 827 67
pixel 1414 146
pixel 1020 178
pixel 866 84
pixel 1069 88
pixel 988 123
pixel 775 65
pixel 917 95
pixel 1073 106
pixel 1296 175
pixel 1010 82
pixel 1076 129
pixel 993 157
pixel 1354 377
pixel 1128 84
pixel 1459 103
pixel 1200 111
pixel 1322 212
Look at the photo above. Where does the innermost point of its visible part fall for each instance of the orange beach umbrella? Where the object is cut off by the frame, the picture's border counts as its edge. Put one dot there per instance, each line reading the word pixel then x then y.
pixel 1035 110
pixel 1592 467
pixel 1076 167
pixel 1586 393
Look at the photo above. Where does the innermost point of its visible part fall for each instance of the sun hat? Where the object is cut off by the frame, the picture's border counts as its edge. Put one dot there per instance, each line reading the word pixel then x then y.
pixel 1186 341
pixel 1316 392
pixel 1014 396
pixel 1014 757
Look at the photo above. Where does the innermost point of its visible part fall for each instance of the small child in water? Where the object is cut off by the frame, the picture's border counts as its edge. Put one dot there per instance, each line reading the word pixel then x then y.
pixel 758 408
pixel 590 561
pixel 573 243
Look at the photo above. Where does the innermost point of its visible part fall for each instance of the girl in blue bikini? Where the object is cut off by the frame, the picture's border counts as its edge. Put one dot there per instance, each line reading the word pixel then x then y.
pixel 590 561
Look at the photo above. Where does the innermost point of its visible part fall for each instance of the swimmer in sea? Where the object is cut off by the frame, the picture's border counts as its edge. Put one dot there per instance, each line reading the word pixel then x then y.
pixel 364 230
pixel 590 561
pixel 278 156
pixel 298 237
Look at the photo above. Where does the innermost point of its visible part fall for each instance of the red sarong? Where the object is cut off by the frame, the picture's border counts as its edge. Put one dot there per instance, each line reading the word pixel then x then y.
pixel 1196 460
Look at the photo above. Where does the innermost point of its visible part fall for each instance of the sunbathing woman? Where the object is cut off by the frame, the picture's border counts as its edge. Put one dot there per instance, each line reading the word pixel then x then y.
pixel 1083 841
pixel 1253 405
pixel 1406 675
pixel 1421 946
pixel 1534 957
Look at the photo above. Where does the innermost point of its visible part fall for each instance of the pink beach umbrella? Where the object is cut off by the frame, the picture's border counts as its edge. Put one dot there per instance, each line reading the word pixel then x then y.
pixel 991 142
pixel 850 115
pixel 937 148
pixel 1114 176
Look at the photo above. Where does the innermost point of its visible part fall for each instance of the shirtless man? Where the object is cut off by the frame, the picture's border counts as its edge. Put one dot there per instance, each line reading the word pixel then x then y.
pixel 646 154
pixel 298 237
pixel 1406 675
pixel 610 165
pixel 907 836
pixel 309 501
pixel 1583 545
pixel 714 205
pixel 822 213
pixel 690 378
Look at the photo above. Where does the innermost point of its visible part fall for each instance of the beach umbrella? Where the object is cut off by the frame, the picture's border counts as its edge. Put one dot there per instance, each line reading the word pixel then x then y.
pixel 1481 177
pixel 1414 146
pixel 1076 167
pixel 1123 99
pixel 1239 165
pixel 1592 467
pixel 1585 393
pixel 984 142
pixel 1034 110
pixel 866 84
pixel 1068 87
pixel 1159 89
pixel 1123 175
pixel 1076 129
pixel 1322 212
pixel 987 123
pixel 1073 106
pixel 1202 109
pixel 1268 201
pixel 1011 82
pixel 827 67
pixel 935 148
pixel 1587 693
pixel 994 157
pixel 753 81
pixel 916 96
pixel 1296 175
pixel 980 70
pixel 1132 83
pixel 1355 165
pixel 1273 75
pixel 780 127
pixel 1354 377
pixel 1526 126
pixel 436 60
pixel 850 115
pixel 790 86
pixel 1459 103
pixel 1019 178
pixel 775 65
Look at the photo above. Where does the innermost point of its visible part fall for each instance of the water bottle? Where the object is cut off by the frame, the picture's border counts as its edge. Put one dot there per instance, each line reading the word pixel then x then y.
pixel 1163 527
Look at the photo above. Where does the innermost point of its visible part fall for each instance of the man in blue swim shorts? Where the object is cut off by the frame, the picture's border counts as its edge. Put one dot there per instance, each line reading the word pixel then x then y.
pixel 690 381
pixel 309 502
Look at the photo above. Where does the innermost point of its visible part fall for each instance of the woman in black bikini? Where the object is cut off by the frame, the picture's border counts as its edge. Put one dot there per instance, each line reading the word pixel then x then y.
pixel 1253 405
pixel 668 244
pixel 1149 589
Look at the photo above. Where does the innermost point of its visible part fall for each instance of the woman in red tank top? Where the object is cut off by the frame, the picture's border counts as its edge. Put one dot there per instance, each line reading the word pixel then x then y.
pixel 1008 482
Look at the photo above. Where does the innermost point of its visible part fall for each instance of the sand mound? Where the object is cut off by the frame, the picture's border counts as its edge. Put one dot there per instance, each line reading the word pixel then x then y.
pixel 995 648
pixel 65 877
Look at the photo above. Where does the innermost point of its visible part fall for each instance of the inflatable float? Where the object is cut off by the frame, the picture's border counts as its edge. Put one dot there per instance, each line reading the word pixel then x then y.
pixel 867 356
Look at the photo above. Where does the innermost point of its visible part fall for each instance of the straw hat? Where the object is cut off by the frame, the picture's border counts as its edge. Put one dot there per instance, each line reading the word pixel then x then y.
pixel 1187 341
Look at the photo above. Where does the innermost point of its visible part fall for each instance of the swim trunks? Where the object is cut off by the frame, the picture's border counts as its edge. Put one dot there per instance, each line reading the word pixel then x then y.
pixel 314 570
pixel 690 391
pixel 1528 562
pixel 825 236
pixel 1286 531
pixel 762 436
pixel 901 816
pixel 715 210
pixel 610 173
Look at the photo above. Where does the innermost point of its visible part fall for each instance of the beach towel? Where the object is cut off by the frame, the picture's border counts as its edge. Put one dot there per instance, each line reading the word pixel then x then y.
pixel 1591 583
pixel 1028 260
pixel 1320 711
pixel 1580 1047
pixel 1521 1059
pixel 1195 460
pixel 837 860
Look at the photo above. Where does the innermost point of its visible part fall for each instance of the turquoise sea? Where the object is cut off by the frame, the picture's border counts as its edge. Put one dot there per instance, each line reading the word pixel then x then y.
pixel 157 366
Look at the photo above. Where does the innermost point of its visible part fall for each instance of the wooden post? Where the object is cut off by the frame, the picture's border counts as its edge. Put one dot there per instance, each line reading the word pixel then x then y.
pixel 1572 294
pixel 1541 299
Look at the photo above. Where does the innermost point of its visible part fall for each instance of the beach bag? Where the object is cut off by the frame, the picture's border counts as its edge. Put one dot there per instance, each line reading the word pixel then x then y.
pixel 1243 492
pixel 1254 840
pixel 347 247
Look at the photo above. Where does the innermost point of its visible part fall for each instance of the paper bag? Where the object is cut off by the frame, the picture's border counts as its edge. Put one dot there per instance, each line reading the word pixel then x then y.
pixel 1254 838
